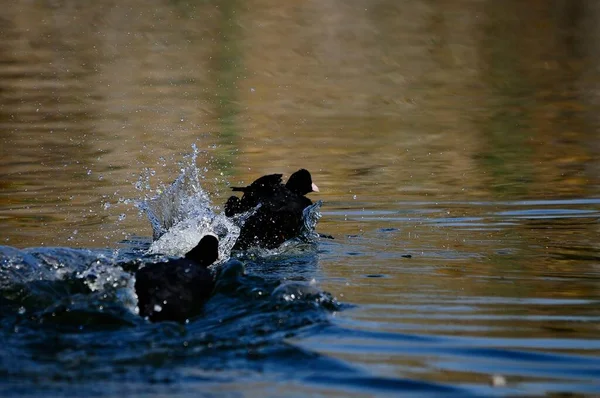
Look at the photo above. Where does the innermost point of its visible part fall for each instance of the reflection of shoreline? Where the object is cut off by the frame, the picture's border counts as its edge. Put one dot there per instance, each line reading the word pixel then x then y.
pixel 535 124
pixel 387 103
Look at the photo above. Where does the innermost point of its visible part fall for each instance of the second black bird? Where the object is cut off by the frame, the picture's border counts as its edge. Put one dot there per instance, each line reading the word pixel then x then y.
pixel 279 216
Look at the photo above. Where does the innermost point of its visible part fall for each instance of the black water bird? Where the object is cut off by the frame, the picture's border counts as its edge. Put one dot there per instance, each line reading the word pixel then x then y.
pixel 262 189
pixel 279 216
pixel 176 290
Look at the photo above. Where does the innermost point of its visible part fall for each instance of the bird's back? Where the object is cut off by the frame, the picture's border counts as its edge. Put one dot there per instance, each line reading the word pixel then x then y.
pixel 254 194
pixel 173 290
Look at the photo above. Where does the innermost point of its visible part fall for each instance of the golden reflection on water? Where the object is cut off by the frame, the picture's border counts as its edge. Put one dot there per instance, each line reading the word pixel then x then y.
pixel 385 101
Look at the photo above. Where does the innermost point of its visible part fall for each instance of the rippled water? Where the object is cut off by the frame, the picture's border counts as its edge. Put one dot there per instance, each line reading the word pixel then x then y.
pixel 455 145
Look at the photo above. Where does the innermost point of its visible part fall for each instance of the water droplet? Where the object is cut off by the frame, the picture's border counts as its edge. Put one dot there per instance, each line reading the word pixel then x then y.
pixel 89 172
pixel 498 381
pixel 354 197
pixel 106 205
pixel 22 310
pixel 122 216
pixel 157 308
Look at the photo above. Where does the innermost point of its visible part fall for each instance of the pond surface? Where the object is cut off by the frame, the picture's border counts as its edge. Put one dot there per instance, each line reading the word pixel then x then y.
pixel 456 147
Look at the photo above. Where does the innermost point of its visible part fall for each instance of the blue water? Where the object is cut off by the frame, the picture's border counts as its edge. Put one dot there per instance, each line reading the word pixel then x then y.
pixel 479 316
pixel 61 337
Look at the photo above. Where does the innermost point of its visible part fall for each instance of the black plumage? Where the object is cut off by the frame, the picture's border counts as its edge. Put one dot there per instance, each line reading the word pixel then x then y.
pixel 279 216
pixel 260 190
pixel 176 290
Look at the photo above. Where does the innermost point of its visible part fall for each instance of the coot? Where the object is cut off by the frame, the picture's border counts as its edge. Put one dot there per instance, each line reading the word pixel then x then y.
pixel 279 216
pixel 262 189
pixel 176 290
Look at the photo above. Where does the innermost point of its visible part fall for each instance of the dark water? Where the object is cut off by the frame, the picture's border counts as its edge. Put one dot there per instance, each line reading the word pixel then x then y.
pixel 456 146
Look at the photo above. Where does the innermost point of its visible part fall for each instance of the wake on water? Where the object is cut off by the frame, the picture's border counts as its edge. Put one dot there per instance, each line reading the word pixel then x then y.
pixel 182 213
pixel 64 280
pixel 71 314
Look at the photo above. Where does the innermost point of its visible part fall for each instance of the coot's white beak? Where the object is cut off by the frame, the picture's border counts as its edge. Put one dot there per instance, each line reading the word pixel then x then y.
pixel 314 187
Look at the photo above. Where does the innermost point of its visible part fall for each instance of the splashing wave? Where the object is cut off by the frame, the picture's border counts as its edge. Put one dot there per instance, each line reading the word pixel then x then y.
pixel 182 213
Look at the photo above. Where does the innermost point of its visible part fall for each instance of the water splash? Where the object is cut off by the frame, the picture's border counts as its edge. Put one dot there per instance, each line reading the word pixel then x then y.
pixel 29 270
pixel 177 202
pixel 182 213
pixel 311 216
